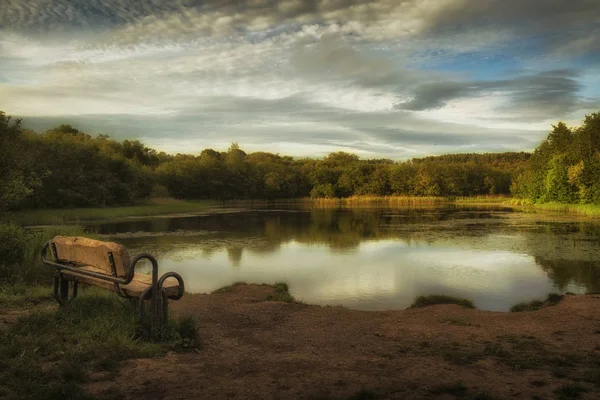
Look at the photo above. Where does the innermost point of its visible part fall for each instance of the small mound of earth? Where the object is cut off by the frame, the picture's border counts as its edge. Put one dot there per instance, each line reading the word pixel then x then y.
pixel 257 349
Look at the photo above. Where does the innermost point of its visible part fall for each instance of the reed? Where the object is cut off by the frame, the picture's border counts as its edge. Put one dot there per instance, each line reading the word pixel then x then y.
pixel 588 210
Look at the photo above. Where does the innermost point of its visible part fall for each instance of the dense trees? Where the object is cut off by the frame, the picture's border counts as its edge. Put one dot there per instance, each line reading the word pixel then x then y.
pixel 17 179
pixel 565 167
pixel 64 167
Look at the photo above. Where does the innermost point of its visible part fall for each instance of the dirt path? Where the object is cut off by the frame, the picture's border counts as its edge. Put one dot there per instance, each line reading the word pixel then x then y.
pixel 271 350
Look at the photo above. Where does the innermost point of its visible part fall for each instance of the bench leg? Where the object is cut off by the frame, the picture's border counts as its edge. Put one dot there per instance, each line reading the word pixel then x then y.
pixel 159 315
pixel 61 289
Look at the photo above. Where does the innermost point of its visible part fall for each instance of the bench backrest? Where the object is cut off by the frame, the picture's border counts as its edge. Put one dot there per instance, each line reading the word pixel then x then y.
pixel 84 251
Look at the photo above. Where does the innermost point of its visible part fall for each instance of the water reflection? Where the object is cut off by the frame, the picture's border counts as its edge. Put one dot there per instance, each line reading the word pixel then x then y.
pixel 377 258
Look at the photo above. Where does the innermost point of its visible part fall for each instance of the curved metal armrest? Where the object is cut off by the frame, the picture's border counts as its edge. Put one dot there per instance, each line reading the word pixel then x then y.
pixel 181 286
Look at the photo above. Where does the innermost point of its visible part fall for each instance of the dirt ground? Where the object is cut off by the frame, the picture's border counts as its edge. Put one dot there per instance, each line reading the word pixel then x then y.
pixel 257 349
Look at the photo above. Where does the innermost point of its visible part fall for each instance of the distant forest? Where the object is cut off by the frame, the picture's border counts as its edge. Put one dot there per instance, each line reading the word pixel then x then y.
pixel 65 167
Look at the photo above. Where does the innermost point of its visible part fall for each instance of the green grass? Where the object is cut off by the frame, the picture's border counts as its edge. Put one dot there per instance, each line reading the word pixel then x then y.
pixel 281 293
pixel 229 288
pixel 48 354
pixel 535 305
pixel 27 266
pixel 149 208
pixel 20 295
pixel 589 210
pixel 424 301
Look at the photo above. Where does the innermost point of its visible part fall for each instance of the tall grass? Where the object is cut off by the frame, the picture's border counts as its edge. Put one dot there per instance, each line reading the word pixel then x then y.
pixel 75 215
pixel 371 200
pixel 588 210
pixel 24 247
pixel 405 200
pixel 48 354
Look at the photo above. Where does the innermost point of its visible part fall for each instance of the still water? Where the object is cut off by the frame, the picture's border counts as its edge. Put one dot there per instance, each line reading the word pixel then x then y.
pixel 376 258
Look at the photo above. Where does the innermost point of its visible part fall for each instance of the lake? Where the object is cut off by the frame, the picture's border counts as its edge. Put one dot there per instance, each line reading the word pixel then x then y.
pixel 376 258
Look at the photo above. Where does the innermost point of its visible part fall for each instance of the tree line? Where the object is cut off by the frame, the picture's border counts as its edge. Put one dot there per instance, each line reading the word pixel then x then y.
pixel 565 167
pixel 65 167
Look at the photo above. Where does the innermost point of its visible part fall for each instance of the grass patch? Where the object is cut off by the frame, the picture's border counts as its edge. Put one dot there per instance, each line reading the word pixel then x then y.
pixel 47 354
pixel 229 288
pixel 281 293
pixel 535 305
pixel 424 301
pixel 20 295
pixel 570 391
pixel 589 210
pixel 25 245
pixel 146 209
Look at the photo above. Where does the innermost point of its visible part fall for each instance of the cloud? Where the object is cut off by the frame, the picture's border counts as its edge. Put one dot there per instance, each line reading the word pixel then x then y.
pixel 542 93
pixel 397 78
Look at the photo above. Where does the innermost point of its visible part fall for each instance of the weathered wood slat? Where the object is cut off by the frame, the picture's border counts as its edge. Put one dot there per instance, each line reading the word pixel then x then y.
pixel 90 252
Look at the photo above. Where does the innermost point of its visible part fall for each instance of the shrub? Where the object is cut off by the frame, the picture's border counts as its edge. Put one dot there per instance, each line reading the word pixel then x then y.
pixel 424 301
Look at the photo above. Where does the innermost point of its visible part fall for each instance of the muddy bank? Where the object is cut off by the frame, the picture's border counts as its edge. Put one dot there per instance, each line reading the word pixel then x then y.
pixel 260 349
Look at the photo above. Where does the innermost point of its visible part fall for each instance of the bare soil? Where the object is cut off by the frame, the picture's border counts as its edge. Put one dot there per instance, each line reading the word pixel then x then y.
pixel 257 349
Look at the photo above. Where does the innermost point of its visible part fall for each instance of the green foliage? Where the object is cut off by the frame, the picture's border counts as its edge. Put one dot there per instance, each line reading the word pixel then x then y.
pixel 324 190
pixel 565 168
pixel 23 295
pixel 21 249
pixel 424 301
pixel 74 169
pixel 12 239
pixel 281 293
pixel 534 305
pixel 93 333
pixel 16 164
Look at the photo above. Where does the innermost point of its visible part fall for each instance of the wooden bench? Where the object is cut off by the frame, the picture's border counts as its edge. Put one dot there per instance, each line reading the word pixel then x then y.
pixel 108 265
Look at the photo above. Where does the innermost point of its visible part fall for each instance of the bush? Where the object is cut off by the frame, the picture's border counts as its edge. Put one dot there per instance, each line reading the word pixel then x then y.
pixel 20 251
pixel 12 246
pixel 534 305
pixel 423 301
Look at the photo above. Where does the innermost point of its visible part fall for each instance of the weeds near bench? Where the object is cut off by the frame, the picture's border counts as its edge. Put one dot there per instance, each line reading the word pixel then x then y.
pixel 47 354
pixel 20 249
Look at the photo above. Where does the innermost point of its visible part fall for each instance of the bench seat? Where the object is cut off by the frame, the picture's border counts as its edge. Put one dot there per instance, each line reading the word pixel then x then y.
pixel 134 289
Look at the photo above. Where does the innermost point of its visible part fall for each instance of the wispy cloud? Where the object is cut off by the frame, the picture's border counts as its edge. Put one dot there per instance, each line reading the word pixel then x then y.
pixel 398 78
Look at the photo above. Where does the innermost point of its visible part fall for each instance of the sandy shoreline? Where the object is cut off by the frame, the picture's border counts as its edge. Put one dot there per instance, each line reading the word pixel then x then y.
pixel 252 348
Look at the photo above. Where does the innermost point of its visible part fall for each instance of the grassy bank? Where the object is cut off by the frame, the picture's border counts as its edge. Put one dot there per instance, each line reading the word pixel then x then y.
pixel 588 210
pixel 407 200
pixel 146 209
pixel 49 353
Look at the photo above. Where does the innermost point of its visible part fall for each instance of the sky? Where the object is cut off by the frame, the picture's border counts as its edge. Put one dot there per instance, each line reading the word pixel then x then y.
pixel 382 78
